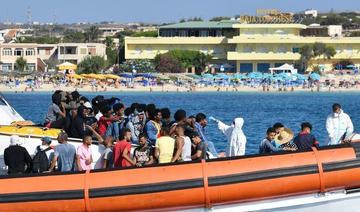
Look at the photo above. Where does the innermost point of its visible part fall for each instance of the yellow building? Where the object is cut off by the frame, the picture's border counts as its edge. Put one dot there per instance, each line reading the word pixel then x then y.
pixel 247 47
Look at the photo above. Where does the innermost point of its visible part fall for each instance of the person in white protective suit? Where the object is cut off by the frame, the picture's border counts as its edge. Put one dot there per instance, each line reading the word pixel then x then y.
pixel 236 139
pixel 338 125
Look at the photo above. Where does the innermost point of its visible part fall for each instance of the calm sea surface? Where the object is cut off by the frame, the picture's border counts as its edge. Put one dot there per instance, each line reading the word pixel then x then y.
pixel 260 110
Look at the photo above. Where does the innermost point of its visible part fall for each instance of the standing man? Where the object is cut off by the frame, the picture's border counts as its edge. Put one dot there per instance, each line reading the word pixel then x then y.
pixel 84 155
pixel 64 154
pixel 236 138
pixel 122 151
pixel 200 125
pixel 17 157
pixel 338 125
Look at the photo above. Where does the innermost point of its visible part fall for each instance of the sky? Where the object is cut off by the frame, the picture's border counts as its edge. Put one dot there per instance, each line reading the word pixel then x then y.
pixel 153 11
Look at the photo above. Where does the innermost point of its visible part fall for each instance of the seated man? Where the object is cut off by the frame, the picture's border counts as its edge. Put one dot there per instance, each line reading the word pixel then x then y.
pixel 266 145
pixel 198 148
pixel 143 154
pixel 305 140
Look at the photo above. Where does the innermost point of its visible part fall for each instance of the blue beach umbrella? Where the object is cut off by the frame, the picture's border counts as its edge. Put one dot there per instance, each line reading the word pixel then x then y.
pixel 208 76
pixel 126 75
pixel 315 76
pixel 221 76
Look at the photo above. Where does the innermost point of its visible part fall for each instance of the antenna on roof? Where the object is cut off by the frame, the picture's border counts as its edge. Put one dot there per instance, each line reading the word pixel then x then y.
pixel 28 16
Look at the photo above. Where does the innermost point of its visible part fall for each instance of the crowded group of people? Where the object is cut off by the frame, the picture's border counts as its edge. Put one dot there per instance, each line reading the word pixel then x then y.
pixel 155 135
pixel 279 138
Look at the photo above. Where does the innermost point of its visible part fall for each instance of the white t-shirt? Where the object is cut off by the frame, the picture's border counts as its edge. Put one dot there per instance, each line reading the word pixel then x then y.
pixel 186 150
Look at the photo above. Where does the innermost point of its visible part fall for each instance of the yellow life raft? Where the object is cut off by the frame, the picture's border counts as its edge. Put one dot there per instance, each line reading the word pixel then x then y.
pixel 32 131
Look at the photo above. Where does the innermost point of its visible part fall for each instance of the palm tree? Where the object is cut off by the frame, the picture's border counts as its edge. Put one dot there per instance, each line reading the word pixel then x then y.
pixel 307 54
pixel 329 52
pixel 92 34
pixel 20 63
pixel 318 49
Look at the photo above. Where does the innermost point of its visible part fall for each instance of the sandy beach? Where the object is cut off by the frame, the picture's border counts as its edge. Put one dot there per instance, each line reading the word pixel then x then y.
pixel 170 88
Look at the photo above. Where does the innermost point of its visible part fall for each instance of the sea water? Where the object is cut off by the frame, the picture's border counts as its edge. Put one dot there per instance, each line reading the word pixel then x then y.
pixel 259 110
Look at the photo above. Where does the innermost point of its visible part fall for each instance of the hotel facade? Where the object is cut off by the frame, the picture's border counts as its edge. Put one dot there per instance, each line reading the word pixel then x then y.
pixel 247 47
pixel 37 54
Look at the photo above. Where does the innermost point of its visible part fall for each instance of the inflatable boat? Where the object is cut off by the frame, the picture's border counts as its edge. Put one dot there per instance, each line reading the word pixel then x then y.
pixel 228 183
pixel 327 178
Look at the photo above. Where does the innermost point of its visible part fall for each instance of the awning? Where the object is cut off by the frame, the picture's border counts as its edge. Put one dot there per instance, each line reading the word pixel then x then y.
pixel 67 66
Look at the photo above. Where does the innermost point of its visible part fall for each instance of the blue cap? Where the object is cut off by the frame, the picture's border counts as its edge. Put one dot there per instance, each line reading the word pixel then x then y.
pixel 47 139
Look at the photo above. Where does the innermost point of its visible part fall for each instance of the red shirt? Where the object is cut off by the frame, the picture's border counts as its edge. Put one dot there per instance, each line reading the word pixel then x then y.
pixel 119 148
pixel 103 124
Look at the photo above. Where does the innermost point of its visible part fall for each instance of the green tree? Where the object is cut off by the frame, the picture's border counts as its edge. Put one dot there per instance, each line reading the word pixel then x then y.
pixel 39 40
pixel 220 18
pixel 318 49
pixel 165 63
pixel 20 63
pixel 92 34
pixel 74 36
pixel 92 64
pixel 187 59
pixel 195 19
pixel 111 51
pixel 141 66
pixel 146 34
pixel 307 54
pixel 121 48
pixel 329 52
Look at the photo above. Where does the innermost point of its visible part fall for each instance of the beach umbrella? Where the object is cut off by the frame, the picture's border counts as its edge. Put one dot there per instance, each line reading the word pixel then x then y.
pixel 112 76
pixel 208 76
pixel 96 76
pixel 255 75
pixel 66 66
pixel 300 77
pixel 195 76
pixel 238 76
pixel 75 76
pixel 221 76
pixel 126 75
pixel 350 66
pixel 149 76
pixel 315 76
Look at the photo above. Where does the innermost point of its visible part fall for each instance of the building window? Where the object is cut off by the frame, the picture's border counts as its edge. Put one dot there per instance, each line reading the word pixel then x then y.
pixel 248 49
pixel 263 50
pixel 296 50
pixel 30 52
pixel 83 51
pixel 92 51
pixel 204 33
pixel 282 49
pixel 7 52
pixel 18 52
pixel 263 67
pixel 30 66
pixel 246 67
pixel 182 33
pixel 6 66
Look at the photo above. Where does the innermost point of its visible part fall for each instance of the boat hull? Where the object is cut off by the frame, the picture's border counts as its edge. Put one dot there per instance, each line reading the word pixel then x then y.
pixel 221 184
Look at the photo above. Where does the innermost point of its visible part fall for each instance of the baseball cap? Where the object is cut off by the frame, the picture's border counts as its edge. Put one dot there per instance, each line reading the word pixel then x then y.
pixel 47 139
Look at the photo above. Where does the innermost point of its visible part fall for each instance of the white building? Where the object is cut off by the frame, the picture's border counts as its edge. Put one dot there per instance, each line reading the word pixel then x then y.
pixel 36 54
pixel 313 13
